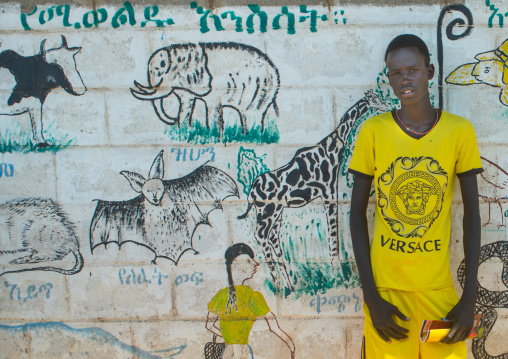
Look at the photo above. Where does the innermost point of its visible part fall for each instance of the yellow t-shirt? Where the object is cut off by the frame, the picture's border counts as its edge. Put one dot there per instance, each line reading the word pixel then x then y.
pixel 414 180
pixel 236 325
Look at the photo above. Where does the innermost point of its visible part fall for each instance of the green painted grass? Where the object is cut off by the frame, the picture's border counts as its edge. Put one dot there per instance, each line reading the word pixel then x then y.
pixel 15 139
pixel 249 167
pixel 200 134
pixel 310 275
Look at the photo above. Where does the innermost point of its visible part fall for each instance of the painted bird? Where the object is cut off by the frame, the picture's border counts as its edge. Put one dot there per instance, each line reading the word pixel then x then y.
pixel 491 68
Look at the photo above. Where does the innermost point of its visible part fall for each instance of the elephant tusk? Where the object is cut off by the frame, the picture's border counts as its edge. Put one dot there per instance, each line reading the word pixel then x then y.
pixel 145 89
pixel 146 95
pixel 163 116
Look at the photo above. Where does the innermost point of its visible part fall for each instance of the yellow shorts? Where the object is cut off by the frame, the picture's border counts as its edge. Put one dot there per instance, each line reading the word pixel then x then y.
pixel 431 304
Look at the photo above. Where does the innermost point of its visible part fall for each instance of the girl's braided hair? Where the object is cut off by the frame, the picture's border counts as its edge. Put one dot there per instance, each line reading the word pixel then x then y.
pixel 232 252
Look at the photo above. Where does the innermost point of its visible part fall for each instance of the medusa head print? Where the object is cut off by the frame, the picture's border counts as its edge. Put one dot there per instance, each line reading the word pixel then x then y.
pixel 410 195
pixel 415 196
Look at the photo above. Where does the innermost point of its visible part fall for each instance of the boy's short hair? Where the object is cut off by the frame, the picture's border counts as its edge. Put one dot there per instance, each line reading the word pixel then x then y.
pixel 409 40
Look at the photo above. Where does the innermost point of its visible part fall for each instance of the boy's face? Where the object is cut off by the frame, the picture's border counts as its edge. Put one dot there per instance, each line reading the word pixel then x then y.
pixel 408 75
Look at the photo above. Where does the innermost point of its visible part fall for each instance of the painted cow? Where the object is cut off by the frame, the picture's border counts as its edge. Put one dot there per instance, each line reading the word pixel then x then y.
pixel 34 78
pixel 222 74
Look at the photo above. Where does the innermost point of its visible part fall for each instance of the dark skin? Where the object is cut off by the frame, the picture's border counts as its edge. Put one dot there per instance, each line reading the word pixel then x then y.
pixel 409 77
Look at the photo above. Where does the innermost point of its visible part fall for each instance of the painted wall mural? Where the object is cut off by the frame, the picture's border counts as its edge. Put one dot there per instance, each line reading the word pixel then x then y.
pixel 6 169
pixel 65 340
pixel 493 187
pixel 234 309
pixel 312 173
pixel 222 75
pixel 489 69
pixel 250 166
pixel 238 96
pixel 165 215
pixel 488 301
pixel 33 78
pixel 128 15
pixel 34 231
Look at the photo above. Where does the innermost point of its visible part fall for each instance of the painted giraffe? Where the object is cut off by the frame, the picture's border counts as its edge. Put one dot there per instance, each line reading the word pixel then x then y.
pixel 312 173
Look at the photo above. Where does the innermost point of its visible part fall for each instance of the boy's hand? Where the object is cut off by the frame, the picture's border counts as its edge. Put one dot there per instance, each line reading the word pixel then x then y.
pixel 463 319
pixel 381 313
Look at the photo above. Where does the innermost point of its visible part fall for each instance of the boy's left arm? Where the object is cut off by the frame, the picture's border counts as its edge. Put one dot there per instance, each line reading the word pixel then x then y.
pixel 463 313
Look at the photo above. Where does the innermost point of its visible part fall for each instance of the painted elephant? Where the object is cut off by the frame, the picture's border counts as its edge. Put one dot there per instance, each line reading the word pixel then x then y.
pixel 222 74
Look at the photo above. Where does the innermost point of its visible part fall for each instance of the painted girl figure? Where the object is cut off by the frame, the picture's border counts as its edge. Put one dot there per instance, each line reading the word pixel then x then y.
pixel 237 307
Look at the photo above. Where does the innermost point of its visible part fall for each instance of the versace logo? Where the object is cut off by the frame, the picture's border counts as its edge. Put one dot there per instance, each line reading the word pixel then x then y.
pixel 410 195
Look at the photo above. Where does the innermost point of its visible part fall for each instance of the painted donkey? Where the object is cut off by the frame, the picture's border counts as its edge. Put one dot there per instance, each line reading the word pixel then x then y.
pixel 312 173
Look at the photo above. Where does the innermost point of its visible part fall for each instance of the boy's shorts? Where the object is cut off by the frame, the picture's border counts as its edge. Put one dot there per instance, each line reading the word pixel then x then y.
pixel 418 306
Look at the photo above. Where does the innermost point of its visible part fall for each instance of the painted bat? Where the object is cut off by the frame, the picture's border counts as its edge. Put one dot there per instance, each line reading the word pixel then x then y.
pixel 166 214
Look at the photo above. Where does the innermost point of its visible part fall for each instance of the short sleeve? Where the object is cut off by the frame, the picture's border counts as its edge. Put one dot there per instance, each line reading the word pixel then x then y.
pixel 257 304
pixel 363 160
pixel 468 159
pixel 219 302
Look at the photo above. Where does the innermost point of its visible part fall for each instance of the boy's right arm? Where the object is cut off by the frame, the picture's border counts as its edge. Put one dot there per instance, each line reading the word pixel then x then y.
pixel 381 311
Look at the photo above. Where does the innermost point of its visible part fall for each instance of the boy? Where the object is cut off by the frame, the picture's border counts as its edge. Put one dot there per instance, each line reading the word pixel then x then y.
pixel 413 155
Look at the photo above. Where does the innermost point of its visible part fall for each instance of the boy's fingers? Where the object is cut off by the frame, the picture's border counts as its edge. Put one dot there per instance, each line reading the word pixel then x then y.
pixel 395 334
pixel 451 337
pixel 399 329
pixel 383 336
pixel 446 339
pixel 399 314
pixel 463 334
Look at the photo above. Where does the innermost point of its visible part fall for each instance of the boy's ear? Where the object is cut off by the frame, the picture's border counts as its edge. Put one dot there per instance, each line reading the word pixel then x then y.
pixel 431 71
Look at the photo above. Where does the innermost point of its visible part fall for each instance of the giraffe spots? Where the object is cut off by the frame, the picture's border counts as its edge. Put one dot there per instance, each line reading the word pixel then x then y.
pixel 317 174
pixel 282 192
pixel 332 159
pixel 325 170
pixel 304 194
pixel 302 168
pixel 332 145
pixel 271 187
pixel 293 177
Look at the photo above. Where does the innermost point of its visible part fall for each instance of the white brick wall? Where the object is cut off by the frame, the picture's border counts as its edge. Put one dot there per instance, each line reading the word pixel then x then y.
pixel 322 74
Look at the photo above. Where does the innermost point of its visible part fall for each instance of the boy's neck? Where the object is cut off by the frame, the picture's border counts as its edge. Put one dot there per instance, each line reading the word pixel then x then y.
pixel 417 115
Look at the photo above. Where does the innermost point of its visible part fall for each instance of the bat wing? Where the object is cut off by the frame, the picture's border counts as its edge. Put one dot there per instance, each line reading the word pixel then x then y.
pixel 205 184
pixel 118 222
pixel 194 196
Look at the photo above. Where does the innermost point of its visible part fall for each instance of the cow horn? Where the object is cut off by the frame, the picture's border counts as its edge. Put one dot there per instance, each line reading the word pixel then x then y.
pixel 64 41
pixel 43 43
